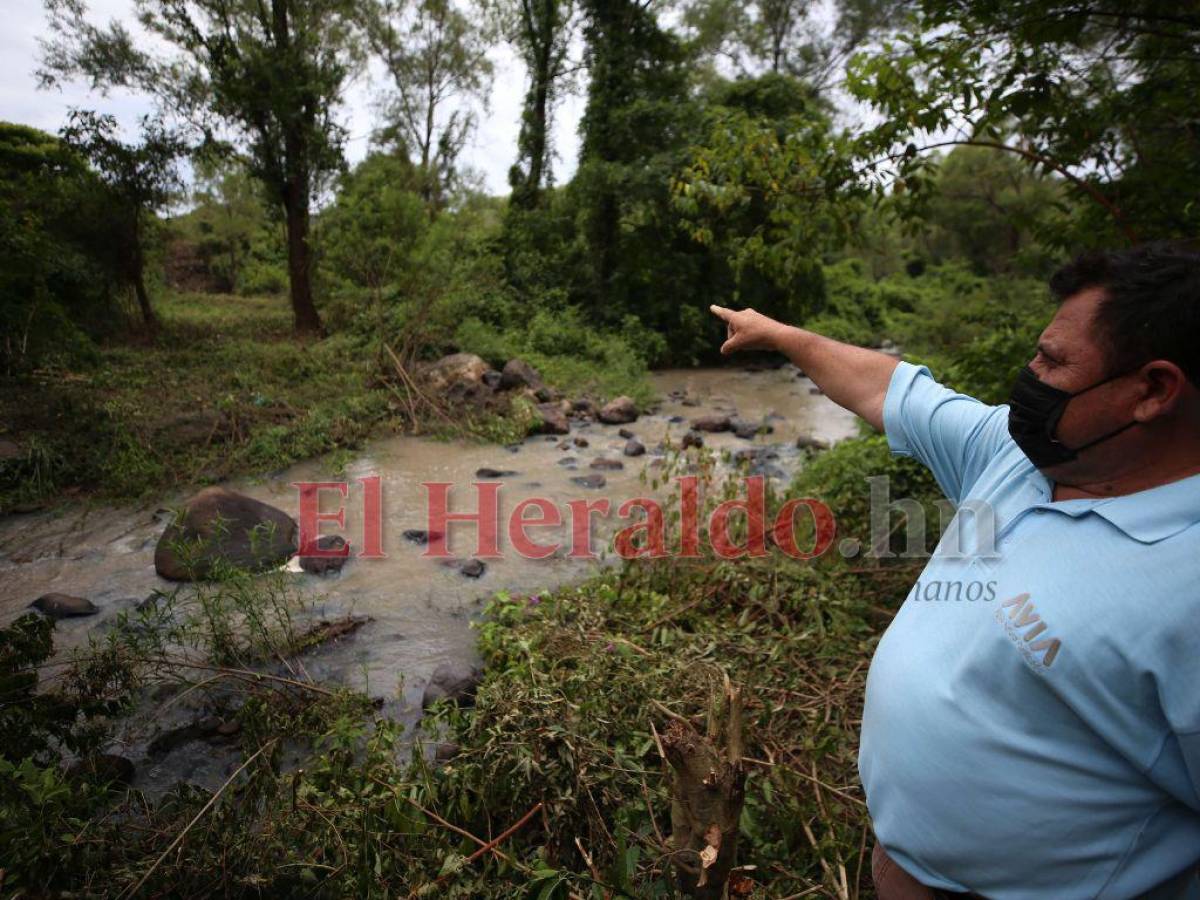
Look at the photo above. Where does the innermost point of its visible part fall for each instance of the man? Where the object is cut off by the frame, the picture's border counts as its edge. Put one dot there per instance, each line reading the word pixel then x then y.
pixel 1044 743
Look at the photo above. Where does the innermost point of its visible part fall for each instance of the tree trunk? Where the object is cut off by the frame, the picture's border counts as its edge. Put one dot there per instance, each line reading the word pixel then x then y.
pixel 707 793
pixel 299 258
pixel 143 298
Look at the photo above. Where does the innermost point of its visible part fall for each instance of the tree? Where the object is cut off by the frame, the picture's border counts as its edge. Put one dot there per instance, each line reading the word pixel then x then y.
pixel 141 179
pixel 791 37
pixel 1099 96
pixel 229 213
pixel 541 31
pixel 271 72
pixel 434 54
pixel 56 287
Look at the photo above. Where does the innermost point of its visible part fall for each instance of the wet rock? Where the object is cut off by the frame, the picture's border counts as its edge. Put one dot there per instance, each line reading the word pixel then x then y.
pixel 488 472
pixel 513 448
pixel 580 441
pixel 592 482
pixel 229 728
pixel 620 411
pixel 322 565
pixel 554 420
pixel 420 536
pixel 103 768
pixel 568 461
pixel 457 368
pixel 221 527
pixel 773 416
pixel 491 379
pixel 166 741
pixel 455 681
pixel 752 454
pixel 586 407
pixel 804 442
pixel 634 447
pixel 625 433
pixel 64 606
pixel 518 374
pixel 815 391
pixel 547 394
pixel 750 430
pixel 693 439
pixel 713 422
pixel 607 464
pixel 471 568
pixel 675 420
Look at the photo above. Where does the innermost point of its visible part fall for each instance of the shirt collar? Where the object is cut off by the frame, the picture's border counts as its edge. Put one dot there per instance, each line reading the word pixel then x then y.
pixel 1147 516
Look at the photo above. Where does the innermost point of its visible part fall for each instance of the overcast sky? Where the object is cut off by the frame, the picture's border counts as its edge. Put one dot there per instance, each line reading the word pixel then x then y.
pixel 491 151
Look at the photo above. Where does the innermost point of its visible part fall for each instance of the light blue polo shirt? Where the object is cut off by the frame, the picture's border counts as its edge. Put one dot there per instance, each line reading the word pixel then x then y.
pixel 1042 738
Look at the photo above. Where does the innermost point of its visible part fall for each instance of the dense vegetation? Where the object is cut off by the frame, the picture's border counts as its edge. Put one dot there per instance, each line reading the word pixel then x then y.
pixel 157 337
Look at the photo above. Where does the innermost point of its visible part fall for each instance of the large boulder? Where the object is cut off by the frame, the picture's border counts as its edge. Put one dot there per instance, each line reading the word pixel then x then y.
pixel 64 606
pixel 457 368
pixel 620 411
pixel 518 374
pixel 219 527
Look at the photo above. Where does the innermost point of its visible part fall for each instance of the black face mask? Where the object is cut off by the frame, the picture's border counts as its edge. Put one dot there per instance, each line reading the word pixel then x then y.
pixel 1034 411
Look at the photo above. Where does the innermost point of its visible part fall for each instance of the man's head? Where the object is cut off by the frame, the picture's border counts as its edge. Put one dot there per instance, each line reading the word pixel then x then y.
pixel 1126 335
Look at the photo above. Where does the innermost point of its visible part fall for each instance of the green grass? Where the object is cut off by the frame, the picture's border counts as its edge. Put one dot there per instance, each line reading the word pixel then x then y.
pixel 224 388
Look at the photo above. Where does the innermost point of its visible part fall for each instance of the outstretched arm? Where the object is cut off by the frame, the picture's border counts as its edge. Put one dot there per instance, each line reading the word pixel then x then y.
pixel 850 376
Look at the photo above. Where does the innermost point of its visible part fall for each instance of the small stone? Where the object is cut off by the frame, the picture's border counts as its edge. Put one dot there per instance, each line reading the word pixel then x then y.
pixel 452 680
pixel 580 441
pixel 420 536
pixel 675 420
pixel 446 751
pixel 712 423
pixel 473 568
pixel 634 447
pixel 608 464
pixel 804 442
pixel 568 461
pixel 554 421
pixel 815 391
pixel 620 411
pixel 64 606
pixel 693 439
pixel 488 472
pixel 492 379
pixel 593 482
pixel 518 373
pixel 229 727
pixel 322 565
pixel 625 433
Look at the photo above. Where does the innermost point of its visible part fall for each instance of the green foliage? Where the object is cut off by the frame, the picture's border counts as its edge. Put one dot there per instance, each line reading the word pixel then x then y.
pixel 57 291
pixel 1098 97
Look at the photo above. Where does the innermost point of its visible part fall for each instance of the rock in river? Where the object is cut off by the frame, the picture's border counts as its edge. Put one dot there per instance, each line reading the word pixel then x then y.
pixel 620 411
pixel 712 423
pixel 453 681
pixel 220 527
pixel 64 606
pixel 321 565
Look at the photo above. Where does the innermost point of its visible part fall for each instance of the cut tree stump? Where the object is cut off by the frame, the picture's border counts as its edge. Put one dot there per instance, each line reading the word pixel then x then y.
pixel 707 793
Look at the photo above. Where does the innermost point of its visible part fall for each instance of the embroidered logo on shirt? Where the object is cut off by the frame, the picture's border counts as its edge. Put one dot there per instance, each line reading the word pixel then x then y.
pixel 1026 629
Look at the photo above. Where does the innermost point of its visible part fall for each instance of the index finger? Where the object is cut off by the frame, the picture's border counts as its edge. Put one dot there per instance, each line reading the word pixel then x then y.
pixel 721 312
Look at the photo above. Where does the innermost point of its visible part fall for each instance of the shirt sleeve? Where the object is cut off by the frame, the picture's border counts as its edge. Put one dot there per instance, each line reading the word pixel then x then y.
pixel 953 435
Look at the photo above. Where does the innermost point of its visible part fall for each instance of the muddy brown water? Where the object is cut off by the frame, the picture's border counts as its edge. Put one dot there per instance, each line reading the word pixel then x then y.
pixel 421 610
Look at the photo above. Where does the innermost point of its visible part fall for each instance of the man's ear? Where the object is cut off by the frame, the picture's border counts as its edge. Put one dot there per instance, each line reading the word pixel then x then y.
pixel 1162 388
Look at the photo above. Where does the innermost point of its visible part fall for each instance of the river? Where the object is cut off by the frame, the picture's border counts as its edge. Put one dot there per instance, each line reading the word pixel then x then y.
pixel 421 610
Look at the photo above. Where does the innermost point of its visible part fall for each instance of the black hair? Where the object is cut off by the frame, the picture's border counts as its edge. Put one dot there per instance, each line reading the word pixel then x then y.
pixel 1151 304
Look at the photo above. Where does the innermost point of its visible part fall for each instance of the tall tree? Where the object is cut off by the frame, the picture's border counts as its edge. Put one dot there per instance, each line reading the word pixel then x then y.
pixel 141 179
pixel 435 56
pixel 541 31
pixel 271 72
pixel 1100 96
